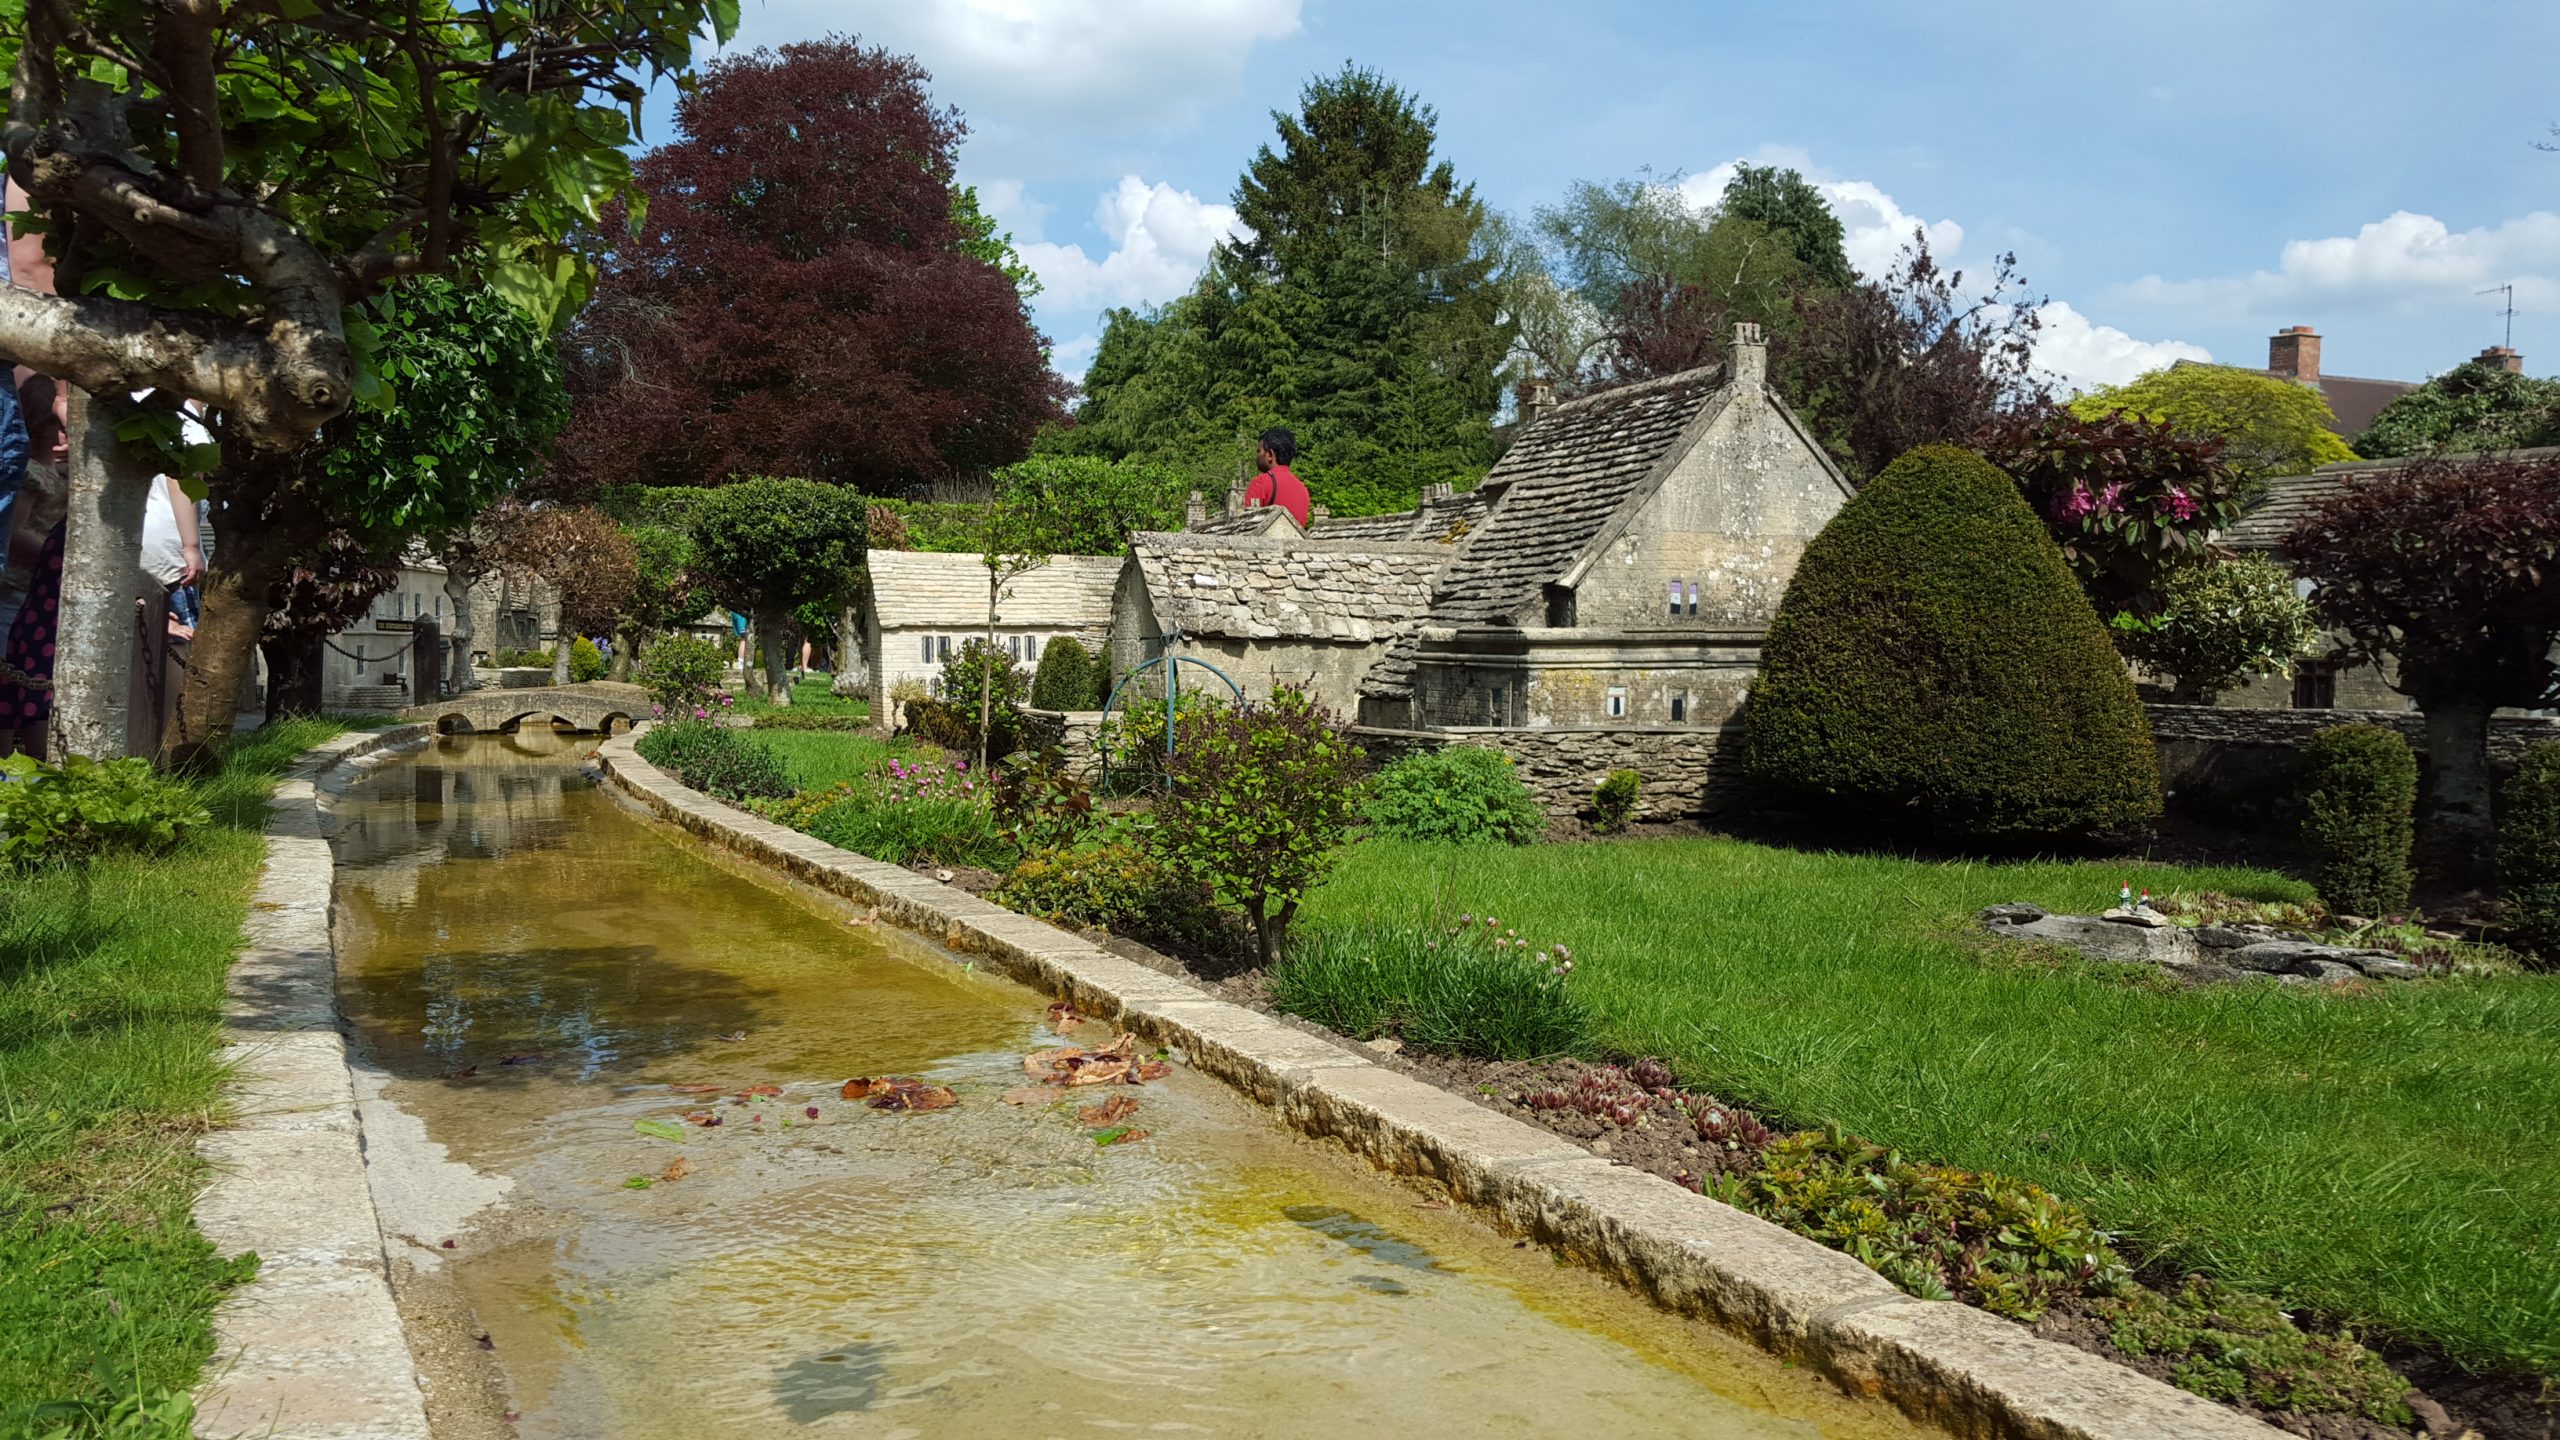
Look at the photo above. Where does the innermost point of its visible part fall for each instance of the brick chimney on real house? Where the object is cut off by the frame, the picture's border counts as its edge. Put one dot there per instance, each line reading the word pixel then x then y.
pixel 2499 357
pixel 2294 353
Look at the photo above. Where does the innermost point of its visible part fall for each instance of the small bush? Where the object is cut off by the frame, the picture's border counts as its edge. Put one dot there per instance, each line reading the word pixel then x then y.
pixel 82 808
pixel 1113 884
pixel 1463 991
pixel 2529 850
pixel 1934 658
pixel 1467 793
pixel 521 659
pixel 682 674
pixel 1068 679
pixel 2221 623
pixel 718 761
pixel 1258 799
pixel 1039 804
pixel 1613 803
pixel 586 661
pixel 2359 800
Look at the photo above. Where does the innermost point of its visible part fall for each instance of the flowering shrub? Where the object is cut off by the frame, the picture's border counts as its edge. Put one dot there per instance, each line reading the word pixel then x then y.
pixel 682 674
pixel 2129 500
pixel 916 810
pixel 1475 988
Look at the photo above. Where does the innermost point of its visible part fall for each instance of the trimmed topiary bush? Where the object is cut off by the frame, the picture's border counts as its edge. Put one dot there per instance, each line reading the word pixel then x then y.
pixel 2359 807
pixel 2529 850
pixel 586 661
pixel 1613 800
pixel 1466 793
pixel 1934 659
pixel 1067 678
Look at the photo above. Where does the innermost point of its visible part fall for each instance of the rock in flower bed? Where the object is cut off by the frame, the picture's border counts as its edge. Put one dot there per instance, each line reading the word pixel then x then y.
pixel 2202 953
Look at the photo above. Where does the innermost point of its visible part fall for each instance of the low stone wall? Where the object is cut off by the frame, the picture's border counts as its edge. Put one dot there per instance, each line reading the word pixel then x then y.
pixel 1951 1365
pixel 1076 733
pixel 311 1349
pixel 1563 765
pixel 2238 764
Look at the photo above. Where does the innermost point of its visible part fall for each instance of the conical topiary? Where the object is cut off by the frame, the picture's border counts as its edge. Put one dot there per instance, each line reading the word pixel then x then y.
pixel 1934 661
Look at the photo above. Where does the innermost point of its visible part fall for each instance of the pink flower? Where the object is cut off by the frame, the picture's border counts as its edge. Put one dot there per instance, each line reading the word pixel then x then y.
pixel 2111 499
pixel 2180 505
pixel 2074 505
pixel 701 714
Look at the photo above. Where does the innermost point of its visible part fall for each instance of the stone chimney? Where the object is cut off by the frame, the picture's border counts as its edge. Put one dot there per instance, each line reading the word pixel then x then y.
pixel 2499 357
pixel 1195 512
pixel 1750 357
pixel 1317 513
pixel 2294 353
pixel 1536 398
pixel 1235 496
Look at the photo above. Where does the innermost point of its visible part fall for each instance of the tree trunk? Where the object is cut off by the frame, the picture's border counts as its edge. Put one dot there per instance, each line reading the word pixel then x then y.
pixel 2456 832
pixel 985 677
pixel 852 675
pixel 750 672
pixel 773 634
pixel 560 656
pixel 458 677
pixel 102 555
pixel 236 584
pixel 294 669
pixel 626 649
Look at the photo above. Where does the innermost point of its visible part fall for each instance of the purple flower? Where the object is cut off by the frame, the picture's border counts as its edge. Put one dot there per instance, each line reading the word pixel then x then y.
pixel 2180 505
pixel 2111 499
pixel 2073 506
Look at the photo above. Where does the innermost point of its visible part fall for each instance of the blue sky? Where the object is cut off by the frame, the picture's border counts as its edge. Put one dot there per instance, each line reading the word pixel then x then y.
pixel 2180 178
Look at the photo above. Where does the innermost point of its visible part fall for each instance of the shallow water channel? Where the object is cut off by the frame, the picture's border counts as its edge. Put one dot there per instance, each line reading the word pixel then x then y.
pixel 528 967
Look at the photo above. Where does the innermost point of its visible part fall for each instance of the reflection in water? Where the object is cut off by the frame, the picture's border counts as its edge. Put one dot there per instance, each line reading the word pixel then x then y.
pixel 538 971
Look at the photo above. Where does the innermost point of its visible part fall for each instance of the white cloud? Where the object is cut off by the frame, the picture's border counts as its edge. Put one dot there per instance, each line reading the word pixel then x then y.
pixel 1015 211
pixel 1048 65
pixel 1160 237
pixel 1074 357
pixel 2406 262
pixel 2084 354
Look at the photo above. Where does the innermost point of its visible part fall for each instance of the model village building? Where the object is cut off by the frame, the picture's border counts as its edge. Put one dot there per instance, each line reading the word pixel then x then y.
pixel 919 607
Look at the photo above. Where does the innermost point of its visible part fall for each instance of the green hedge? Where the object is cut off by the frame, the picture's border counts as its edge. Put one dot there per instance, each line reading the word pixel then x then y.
pixel 2359 803
pixel 1934 659
pixel 2529 850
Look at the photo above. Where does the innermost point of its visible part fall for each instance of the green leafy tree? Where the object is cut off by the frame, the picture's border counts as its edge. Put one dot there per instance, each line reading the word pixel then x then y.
pixel 1934 658
pixel 2267 426
pixel 1257 801
pixel 666 591
pixel 682 674
pixel 1668 278
pixel 1068 677
pixel 2219 625
pixel 767 546
pixel 1789 206
pixel 2469 407
pixel 1363 311
pixel 465 399
pixel 218 185
pixel 982 237
pixel 1084 505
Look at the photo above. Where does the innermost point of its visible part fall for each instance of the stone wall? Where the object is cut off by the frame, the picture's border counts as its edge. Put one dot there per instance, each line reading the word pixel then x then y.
pixel 2230 763
pixel 1563 765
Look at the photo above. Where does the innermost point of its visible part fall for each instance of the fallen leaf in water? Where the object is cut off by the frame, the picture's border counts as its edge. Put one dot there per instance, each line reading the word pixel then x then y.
pixel 636 1182
pixel 733 1037
pixel 465 1073
pixel 1099 1072
pixel 676 1169
pixel 660 1129
pixel 1120 1136
pixel 1032 1095
pixel 861 1085
pixel 1041 1062
pixel 1109 1112
pixel 704 1118
pixel 526 1058
pixel 916 1095
pixel 1123 1046
pixel 1150 1070
pixel 695 1089
pixel 766 1092
pixel 1063 1017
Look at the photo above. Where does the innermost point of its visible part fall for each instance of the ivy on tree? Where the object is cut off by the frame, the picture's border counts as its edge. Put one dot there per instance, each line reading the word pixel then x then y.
pixel 2467 408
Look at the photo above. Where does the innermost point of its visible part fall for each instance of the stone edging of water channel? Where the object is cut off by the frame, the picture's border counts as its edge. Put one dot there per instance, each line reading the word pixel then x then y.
pixel 312 1349
pixel 1946 1363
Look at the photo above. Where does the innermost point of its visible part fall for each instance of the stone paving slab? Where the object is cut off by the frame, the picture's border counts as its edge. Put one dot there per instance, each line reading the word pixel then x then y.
pixel 311 1349
pixel 1949 1364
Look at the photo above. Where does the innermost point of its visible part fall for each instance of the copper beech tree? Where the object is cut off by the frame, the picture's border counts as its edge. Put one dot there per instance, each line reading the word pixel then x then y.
pixel 585 560
pixel 802 296
pixel 2448 571
pixel 218 180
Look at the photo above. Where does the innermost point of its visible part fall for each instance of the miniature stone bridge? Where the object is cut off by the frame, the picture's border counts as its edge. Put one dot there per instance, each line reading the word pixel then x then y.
pixel 596 705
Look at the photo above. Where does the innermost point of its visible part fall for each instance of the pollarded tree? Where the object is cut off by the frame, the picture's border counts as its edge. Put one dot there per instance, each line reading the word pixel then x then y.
pixel 464 399
pixel 585 560
pixel 667 591
pixel 2268 426
pixel 768 546
pixel 2469 407
pixel 804 293
pixel 2447 571
pixel 218 182
pixel 1933 658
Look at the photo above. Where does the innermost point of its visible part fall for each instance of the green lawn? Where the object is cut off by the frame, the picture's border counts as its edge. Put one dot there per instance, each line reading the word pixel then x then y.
pixel 2388 1158
pixel 819 759
pixel 812 696
pixel 111 987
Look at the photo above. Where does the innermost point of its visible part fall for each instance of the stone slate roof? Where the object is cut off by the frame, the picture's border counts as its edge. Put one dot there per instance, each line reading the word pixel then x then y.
pixel 1552 491
pixel 1253 520
pixel 1249 587
pixel 1446 520
pixel 2289 498
pixel 917 589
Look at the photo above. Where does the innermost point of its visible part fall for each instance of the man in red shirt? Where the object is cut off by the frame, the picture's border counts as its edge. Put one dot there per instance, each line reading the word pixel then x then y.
pixel 1276 485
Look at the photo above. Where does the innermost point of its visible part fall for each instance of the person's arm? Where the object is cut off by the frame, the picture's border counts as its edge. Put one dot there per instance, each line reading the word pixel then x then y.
pixel 190 542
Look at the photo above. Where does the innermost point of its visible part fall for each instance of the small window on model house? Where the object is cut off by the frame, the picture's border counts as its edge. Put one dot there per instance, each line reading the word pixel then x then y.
pixel 942 648
pixel 1675 595
pixel 1617 702
pixel 1693 597
pixel 1680 708
pixel 928 648
pixel 1559 607
pixel 2315 685
pixel 1499 714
